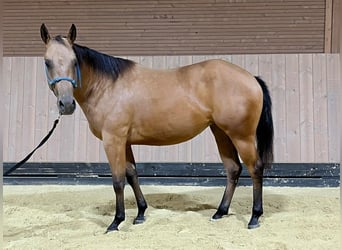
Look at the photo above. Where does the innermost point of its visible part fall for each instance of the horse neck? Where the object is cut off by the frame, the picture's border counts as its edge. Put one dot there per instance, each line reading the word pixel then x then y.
pixel 88 79
pixel 89 96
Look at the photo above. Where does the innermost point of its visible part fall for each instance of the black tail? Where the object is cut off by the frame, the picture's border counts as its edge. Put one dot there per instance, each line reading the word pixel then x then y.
pixel 265 128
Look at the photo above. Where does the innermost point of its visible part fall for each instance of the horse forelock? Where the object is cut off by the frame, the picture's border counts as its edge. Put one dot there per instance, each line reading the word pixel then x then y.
pixel 60 39
pixel 102 64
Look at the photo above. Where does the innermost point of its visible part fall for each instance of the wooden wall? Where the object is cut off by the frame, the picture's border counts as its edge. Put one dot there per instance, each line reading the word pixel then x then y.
pixel 304 88
pixel 181 27
pixel 333 18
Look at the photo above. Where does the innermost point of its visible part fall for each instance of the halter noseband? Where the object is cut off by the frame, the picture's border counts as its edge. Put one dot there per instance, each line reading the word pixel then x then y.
pixel 73 82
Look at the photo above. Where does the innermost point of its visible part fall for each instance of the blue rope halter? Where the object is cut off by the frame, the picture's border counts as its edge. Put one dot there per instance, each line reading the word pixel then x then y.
pixel 75 83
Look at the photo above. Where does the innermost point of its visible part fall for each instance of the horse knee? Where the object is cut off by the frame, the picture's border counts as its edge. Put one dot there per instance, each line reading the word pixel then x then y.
pixel 131 174
pixel 234 170
pixel 249 156
pixel 259 168
pixel 118 184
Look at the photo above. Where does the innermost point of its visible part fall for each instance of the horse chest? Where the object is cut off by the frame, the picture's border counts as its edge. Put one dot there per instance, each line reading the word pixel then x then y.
pixel 94 121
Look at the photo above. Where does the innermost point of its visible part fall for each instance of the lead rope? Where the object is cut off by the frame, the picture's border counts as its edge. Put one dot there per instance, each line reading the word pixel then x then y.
pixel 16 166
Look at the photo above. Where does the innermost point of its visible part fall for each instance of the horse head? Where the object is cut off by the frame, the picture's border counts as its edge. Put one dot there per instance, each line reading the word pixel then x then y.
pixel 62 68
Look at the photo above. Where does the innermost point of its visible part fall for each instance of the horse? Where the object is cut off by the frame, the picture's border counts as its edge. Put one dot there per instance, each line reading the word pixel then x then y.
pixel 127 104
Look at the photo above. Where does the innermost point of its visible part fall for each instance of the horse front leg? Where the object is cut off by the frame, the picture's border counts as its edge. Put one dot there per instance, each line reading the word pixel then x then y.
pixel 115 149
pixel 132 179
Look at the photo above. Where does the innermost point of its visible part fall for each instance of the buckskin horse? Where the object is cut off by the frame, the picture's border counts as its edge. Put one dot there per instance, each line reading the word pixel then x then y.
pixel 126 104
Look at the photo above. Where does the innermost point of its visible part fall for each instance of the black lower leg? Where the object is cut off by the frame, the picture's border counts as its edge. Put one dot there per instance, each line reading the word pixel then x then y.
pixel 120 207
pixel 233 175
pixel 132 179
pixel 257 210
pixel 223 207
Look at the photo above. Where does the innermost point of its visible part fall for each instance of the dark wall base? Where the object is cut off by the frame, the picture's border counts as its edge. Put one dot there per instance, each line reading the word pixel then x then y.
pixel 192 174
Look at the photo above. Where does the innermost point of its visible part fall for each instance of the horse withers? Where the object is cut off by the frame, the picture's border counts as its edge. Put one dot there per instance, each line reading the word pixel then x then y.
pixel 126 104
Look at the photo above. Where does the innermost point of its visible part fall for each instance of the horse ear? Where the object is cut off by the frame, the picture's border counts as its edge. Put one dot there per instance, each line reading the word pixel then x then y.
pixel 72 33
pixel 44 33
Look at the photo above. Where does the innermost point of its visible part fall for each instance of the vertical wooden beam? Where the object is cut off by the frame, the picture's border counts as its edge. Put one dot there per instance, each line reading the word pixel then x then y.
pixel 333 86
pixel 328 26
pixel 320 108
pixel 279 106
pixel 16 118
pixel 6 88
pixel 252 64
pixel 28 102
pixel 336 26
pixel 292 97
pixel 306 115
pixel 41 127
pixel 340 102
pixel 2 97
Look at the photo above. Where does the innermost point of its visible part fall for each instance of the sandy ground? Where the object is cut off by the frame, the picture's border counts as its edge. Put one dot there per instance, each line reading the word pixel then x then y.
pixel 75 217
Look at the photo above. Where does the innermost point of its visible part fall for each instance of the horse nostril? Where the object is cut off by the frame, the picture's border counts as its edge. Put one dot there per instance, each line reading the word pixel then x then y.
pixel 66 106
pixel 61 104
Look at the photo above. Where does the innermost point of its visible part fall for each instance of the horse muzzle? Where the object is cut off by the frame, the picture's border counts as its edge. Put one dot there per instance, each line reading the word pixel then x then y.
pixel 66 105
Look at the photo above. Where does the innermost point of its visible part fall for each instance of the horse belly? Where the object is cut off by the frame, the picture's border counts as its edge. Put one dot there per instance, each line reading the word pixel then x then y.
pixel 166 132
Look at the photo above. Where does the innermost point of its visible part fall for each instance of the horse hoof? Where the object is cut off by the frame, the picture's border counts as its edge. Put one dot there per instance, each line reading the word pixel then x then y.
pixel 253 226
pixel 217 216
pixel 112 228
pixel 139 221
pixel 254 222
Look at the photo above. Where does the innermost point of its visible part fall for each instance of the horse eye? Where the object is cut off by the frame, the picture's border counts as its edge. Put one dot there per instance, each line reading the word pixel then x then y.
pixel 48 63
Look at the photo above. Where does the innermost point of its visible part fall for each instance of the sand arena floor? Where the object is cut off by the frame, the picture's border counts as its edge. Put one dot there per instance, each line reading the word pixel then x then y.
pixel 76 217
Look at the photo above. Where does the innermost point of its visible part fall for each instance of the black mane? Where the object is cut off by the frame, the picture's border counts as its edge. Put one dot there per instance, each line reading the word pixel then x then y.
pixel 102 63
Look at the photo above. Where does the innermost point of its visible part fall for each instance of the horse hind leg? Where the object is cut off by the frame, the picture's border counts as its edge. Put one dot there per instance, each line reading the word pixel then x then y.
pixel 132 179
pixel 248 153
pixel 232 166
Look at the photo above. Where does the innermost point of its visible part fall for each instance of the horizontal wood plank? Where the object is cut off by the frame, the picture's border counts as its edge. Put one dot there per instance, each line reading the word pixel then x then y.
pixel 167 27
pixel 204 174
